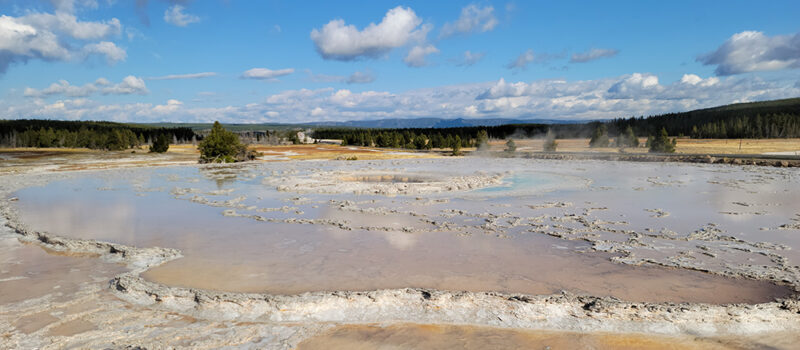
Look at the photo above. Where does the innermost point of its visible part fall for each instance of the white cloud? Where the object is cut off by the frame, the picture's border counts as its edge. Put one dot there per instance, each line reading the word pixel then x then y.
pixel 416 57
pixel 472 19
pixel 170 107
pixel 174 15
pixel 592 55
pixel 752 51
pixel 21 42
pixel 108 49
pixel 129 85
pixel 339 41
pixel 692 79
pixel 316 112
pixel 55 37
pixel 469 58
pixel 68 24
pixel 266 74
pixel 634 84
pixel 62 87
pixel 184 76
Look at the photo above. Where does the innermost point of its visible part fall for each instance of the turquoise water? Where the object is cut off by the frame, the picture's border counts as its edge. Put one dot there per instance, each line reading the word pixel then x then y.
pixel 522 182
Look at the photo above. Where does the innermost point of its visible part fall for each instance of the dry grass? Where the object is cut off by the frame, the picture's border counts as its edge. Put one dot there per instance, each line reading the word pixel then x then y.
pixel 744 146
pixel 689 146
pixel 13 160
pixel 183 149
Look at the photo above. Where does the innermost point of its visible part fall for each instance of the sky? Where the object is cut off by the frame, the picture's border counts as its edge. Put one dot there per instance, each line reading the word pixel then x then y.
pixel 277 61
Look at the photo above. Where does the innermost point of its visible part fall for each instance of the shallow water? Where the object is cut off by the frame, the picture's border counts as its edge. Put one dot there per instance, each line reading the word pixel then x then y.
pixel 28 272
pixel 413 336
pixel 238 234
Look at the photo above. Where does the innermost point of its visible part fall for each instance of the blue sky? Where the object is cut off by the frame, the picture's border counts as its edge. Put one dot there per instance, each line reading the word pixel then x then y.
pixel 290 61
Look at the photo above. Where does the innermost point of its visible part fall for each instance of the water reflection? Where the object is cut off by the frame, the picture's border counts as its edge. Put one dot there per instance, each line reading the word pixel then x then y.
pixel 290 243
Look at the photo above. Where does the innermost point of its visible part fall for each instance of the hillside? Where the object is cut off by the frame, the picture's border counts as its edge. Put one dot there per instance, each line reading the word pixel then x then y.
pixel 767 119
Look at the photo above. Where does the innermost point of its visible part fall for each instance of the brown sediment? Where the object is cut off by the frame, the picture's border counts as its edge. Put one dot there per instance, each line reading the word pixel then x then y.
pixel 428 336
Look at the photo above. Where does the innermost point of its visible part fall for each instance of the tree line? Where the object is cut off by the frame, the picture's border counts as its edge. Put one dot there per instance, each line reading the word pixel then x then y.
pixel 427 138
pixel 768 119
pixel 86 134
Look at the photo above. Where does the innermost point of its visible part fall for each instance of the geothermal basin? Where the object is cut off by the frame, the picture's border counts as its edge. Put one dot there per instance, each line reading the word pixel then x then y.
pixel 303 234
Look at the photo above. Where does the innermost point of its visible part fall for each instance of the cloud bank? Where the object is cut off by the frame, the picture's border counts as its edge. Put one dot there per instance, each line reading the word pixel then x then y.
pixel 58 36
pixel 622 96
pixel 129 85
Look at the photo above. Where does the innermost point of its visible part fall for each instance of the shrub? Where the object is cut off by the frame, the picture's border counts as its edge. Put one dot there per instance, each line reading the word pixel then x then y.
pixel 511 146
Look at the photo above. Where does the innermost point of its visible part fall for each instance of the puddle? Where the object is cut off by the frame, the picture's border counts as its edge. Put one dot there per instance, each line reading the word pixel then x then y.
pixel 238 233
pixel 28 271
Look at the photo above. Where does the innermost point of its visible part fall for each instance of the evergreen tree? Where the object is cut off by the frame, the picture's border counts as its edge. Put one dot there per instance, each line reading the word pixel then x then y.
pixel 599 137
pixel 627 138
pixel 160 144
pixel 662 144
pixel 456 146
pixel 482 140
pixel 220 146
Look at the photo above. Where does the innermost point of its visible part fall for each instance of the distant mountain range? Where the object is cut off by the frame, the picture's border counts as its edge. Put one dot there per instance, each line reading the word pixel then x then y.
pixel 397 123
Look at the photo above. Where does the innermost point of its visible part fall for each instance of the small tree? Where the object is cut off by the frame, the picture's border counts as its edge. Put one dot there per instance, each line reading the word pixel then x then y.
pixel 550 143
pixel 511 147
pixel 456 146
pixel 599 137
pixel 482 140
pixel 160 144
pixel 221 146
pixel 662 144
pixel 627 138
